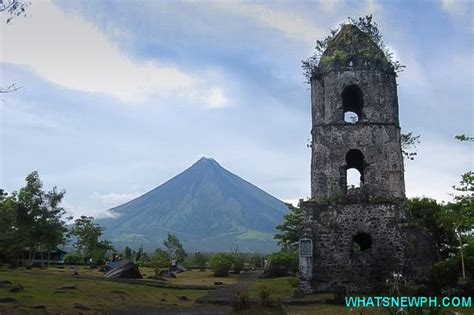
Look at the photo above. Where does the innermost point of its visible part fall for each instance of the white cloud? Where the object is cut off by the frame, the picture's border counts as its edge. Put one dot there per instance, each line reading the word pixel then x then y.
pixel 372 7
pixel 115 199
pixel 73 53
pixel 454 7
pixel 293 26
pixel 216 98
pixel 438 166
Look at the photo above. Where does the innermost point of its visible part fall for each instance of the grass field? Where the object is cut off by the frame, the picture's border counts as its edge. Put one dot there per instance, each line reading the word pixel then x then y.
pixel 47 287
pixel 61 292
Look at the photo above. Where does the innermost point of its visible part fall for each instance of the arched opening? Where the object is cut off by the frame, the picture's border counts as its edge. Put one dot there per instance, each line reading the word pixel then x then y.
pixel 353 178
pixel 354 169
pixel 361 242
pixel 351 117
pixel 352 101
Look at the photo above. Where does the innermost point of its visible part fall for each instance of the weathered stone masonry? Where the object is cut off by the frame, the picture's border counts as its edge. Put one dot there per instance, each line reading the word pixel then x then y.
pixel 357 237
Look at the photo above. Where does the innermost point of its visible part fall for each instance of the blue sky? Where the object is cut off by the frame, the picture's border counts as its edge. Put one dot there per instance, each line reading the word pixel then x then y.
pixel 119 96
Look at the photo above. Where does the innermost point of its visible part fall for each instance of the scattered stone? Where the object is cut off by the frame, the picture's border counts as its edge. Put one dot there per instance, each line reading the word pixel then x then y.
pixel 39 306
pixel 183 298
pixel 68 287
pixel 81 306
pixel 7 300
pixel 167 274
pixel 5 283
pixel 119 292
pixel 124 269
pixel 60 291
pixel 163 300
pixel 16 289
pixel 218 283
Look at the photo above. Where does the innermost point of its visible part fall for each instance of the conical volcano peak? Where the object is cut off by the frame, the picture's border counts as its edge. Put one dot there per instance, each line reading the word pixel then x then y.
pixel 206 206
pixel 206 160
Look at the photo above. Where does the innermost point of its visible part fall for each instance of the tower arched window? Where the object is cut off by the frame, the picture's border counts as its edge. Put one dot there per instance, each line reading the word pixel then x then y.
pixel 354 169
pixel 352 101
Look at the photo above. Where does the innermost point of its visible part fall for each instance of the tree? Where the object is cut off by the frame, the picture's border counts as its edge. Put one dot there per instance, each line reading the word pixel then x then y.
pixel 409 142
pixel 459 214
pixel 290 229
pixel 32 219
pixel 175 248
pixel 160 259
pixel 127 253
pixel 426 213
pixel 139 255
pixel 88 234
pixel 13 8
pixel 200 260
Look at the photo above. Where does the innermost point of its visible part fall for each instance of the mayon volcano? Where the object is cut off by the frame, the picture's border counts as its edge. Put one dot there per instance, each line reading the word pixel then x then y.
pixel 206 206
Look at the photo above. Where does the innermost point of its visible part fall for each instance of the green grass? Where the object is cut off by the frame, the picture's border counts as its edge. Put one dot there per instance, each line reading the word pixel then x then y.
pixel 41 286
pixel 278 287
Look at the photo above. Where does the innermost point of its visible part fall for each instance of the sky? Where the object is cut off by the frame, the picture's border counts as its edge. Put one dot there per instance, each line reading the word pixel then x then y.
pixel 119 96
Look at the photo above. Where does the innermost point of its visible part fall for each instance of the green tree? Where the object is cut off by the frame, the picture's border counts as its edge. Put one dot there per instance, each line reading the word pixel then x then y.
pixel 160 259
pixel 139 255
pixel 459 214
pixel 290 229
pixel 426 213
pixel 127 253
pixel 175 248
pixel 200 260
pixel 88 243
pixel 32 219
pixel 221 264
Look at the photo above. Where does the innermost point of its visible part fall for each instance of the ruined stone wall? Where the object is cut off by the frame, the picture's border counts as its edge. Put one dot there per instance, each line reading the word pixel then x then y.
pixel 376 134
pixel 338 263
pixel 383 171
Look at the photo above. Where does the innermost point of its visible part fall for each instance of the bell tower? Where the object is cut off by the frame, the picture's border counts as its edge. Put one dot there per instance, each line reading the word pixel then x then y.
pixel 354 227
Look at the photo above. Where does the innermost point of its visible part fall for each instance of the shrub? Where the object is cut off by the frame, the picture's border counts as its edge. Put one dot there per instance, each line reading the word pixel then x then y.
pixel 289 260
pixel 445 273
pixel 240 300
pixel 238 262
pixel 221 263
pixel 73 259
pixel 200 260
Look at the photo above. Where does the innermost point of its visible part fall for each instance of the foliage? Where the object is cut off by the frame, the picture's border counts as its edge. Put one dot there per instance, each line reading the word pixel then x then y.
pixel 408 143
pixel 73 258
pixel 240 300
pixel 175 248
pixel 200 260
pixel 160 259
pixel 31 219
pixel 365 24
pixel 287 259
pixel 127 253
pixel 290 229
pixel 14 8
pixel 445 273
pixel 139 254
pixel 425 213
pixel 87 242
pixel 239 261
pixel 221 264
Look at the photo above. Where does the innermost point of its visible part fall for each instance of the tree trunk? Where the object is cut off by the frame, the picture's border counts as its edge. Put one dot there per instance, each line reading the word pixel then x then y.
pixel 462 257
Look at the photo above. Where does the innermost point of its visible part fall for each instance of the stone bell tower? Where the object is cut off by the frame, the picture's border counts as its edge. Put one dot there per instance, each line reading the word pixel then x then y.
pixel 355 234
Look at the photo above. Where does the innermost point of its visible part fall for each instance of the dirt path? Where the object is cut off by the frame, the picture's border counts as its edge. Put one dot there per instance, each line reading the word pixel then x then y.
pixel 223 295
